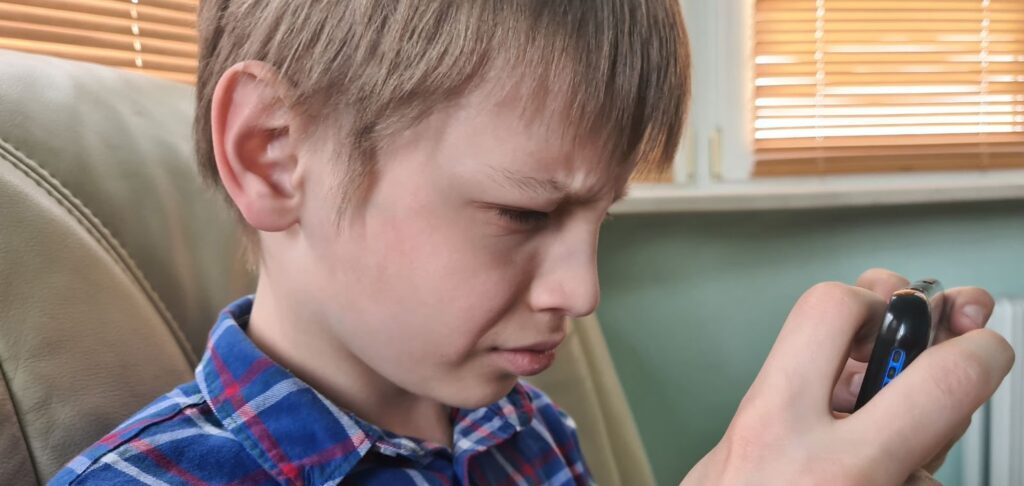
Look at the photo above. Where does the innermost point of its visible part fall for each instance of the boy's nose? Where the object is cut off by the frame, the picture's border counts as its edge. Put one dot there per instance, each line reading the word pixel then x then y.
pixel 567 283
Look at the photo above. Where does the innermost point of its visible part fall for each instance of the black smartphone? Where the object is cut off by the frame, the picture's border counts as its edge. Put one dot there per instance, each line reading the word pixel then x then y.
pixel 908 329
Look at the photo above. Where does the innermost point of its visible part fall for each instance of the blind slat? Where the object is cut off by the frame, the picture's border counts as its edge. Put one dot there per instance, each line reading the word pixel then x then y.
pixel 889 110
pixel 108 57
pixel 873 142
pixel 835 58
pixel 888 37
pixel 883 47
pixel 877 5
pixel 879 25
pixel 890 89
pixel 987 118
pixel 187 6
pixel 926 147
pixel 890 15
pixel 120 10
pixel 764 70
pixel 87 38
pixel 873 79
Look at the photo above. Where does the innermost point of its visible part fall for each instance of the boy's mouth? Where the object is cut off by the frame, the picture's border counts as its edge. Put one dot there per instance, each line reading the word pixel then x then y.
pixel 528 360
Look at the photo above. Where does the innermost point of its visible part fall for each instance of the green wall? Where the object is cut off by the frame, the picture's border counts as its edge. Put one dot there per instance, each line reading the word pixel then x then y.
pixel 692 302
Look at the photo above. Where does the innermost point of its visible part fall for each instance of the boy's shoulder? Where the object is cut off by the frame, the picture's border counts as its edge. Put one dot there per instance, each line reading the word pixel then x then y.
pixel 177 435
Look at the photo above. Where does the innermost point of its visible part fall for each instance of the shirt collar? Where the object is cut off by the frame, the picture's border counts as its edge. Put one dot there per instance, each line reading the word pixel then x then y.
pixel 258 401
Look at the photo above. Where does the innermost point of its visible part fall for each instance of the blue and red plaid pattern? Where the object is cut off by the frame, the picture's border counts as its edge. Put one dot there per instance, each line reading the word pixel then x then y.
pixel 246 420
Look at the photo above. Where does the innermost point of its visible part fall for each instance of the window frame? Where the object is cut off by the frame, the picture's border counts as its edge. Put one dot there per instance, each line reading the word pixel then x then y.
pixel 714 168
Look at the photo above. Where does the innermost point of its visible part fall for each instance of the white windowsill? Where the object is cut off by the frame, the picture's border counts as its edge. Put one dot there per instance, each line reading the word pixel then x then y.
pixel 824 192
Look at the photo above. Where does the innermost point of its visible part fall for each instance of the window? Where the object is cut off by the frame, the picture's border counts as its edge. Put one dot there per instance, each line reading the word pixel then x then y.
pixel 847 86
pixel 781 87
pixel 155 37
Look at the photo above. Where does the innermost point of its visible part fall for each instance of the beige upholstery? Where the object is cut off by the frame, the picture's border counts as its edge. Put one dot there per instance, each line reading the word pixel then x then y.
pixel 114 262
pixel 583 381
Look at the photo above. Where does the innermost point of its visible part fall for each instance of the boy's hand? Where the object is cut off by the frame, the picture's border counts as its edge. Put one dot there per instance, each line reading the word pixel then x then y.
pixel 790 427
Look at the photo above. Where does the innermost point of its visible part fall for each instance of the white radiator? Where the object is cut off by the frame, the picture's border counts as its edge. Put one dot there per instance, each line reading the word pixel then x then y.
pixel 993 448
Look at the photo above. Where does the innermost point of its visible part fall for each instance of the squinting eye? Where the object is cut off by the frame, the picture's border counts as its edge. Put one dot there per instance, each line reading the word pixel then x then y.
pixel 523 217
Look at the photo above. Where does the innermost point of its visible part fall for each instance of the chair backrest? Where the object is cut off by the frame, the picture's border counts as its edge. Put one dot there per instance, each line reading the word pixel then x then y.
pixel 114 261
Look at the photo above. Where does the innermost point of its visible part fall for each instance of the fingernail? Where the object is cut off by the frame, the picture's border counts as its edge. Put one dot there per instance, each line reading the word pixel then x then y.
pixel 855 382
pixel 975 314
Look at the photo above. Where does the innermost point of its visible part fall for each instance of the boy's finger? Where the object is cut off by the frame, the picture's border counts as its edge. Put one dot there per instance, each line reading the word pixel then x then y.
pixel 844 395
pixel 882 282
pixel 913 417
pixel 921 478
pixel 814 344
pixel 965 309
pixel 936 461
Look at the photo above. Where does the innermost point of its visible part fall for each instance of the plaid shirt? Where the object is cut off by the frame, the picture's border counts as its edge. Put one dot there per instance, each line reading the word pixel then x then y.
pixel 246 420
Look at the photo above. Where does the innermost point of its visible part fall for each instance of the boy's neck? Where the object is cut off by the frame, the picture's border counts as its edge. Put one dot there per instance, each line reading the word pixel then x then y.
pixel 310 351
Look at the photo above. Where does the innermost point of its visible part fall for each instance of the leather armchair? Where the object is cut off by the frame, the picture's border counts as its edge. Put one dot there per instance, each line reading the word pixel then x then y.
pixel 114 261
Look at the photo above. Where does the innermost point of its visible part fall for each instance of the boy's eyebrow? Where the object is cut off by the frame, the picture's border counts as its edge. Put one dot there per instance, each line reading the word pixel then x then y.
pixel 544 188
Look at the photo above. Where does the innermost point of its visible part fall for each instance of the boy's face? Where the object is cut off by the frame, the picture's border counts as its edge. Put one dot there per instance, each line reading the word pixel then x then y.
pixel 477 238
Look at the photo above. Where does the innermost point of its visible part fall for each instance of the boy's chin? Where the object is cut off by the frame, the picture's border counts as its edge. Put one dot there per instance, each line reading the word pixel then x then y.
pixel 481 394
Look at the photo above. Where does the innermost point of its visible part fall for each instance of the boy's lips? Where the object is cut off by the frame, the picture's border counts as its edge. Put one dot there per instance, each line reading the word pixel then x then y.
pixel 530 359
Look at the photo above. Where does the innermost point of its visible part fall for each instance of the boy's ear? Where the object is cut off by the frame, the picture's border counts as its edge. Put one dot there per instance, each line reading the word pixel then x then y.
pixel 254 145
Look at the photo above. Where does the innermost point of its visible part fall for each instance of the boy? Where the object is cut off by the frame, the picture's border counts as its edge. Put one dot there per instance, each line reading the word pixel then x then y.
pixel 424 182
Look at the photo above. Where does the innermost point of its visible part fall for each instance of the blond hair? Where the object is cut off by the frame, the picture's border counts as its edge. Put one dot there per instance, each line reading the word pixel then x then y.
pixel 618 69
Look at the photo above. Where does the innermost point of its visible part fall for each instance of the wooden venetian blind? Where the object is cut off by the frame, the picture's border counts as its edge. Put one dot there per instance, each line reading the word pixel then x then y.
pixel 888 85
pixel 156 37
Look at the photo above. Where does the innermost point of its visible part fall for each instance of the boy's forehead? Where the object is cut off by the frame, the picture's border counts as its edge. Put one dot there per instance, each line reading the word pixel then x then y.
pixel 536 147
pixel 535 152
pixel 501 133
